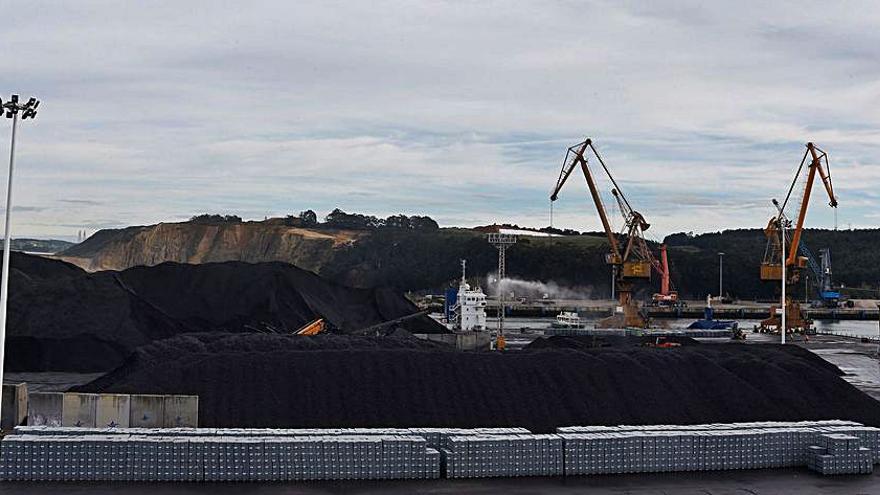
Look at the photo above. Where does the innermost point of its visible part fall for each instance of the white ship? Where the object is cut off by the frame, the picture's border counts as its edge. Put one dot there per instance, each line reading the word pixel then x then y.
pixel 568 319
pixel 468 314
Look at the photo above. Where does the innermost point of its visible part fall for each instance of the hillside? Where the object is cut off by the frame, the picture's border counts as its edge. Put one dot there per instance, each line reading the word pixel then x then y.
pixel 191 242
pixel 48 246
pixel 404 259
pixel 427 260
pixel 695 261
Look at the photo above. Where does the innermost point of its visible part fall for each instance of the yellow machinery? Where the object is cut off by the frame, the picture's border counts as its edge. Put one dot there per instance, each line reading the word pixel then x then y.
pixel 634 262
pixel 319 325
pixel 779 229
pixel 313 328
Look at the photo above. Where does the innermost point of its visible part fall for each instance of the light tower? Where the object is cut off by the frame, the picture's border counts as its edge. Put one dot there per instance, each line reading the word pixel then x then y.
pixel 501 242
pixel 28 110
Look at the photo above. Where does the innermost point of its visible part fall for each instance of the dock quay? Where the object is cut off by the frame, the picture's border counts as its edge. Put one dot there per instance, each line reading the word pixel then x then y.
pixel 744 310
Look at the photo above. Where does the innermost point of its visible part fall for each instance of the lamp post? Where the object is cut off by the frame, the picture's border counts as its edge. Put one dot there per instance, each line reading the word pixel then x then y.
pixel 720 276
pixel 28 110
pixel 613 281
pixel 807 289
pixel 782 227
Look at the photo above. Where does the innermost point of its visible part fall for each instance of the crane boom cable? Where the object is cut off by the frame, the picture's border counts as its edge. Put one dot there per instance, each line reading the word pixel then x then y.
pixel 815 166
pixel 794 180
pixel 573 157
pixel 567 168
pixel 825 174
pixel 608 173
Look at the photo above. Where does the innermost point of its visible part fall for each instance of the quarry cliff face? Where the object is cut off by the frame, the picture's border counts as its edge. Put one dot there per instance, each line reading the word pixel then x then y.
pixel 118 249
pixel 405 259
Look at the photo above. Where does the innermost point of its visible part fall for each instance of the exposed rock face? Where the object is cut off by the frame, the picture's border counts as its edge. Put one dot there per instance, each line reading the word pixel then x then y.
pixel 118 249
pixel 405 259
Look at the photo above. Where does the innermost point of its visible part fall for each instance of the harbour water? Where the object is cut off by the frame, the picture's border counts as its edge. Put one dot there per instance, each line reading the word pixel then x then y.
pixel 850 328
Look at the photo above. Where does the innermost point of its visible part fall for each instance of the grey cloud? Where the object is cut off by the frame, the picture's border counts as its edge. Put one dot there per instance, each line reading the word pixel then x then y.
pixel 434 108
pixel 24 209
pixel 84 202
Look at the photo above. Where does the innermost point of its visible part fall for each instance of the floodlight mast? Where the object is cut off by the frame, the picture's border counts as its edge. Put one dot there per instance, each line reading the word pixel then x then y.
pixel 28 110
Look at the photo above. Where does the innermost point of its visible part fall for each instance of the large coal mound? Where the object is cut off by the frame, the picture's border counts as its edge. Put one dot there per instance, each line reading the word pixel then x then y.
pixel 62 318
pixel 278 381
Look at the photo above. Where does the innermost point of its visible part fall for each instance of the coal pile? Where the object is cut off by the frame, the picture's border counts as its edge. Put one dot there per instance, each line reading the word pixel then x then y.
pixel 62 318
pixel 623 341
pixel 275 383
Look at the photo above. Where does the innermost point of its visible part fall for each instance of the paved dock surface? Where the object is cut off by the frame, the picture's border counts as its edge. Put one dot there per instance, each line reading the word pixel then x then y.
pixel 756 482
pixel 859 360
pixel 50 381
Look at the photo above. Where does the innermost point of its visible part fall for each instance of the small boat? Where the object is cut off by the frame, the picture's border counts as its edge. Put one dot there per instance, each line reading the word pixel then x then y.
pixel 710 323
pixel 567 319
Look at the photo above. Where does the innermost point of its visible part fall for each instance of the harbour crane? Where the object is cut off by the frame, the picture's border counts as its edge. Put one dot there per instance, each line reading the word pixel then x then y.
pixel 631 263
pixel 825 294
pixel 780 229
pixel 667 296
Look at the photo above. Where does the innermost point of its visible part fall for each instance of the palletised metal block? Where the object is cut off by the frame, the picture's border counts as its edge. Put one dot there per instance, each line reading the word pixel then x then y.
pixel 191 454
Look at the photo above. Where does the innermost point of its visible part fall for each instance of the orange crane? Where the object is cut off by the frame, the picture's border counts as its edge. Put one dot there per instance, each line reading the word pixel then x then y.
pixel 667 296
pixel 633 262
pixel 779 230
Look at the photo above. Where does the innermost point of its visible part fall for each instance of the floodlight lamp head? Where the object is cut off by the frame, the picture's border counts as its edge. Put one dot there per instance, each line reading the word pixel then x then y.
pixel 30 110
pixel 12 107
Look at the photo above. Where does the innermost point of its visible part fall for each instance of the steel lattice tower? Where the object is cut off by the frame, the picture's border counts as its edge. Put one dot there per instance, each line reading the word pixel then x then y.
pixel 501 242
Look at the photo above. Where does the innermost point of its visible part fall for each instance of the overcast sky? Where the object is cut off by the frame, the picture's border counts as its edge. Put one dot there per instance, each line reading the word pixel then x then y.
pixel 155 111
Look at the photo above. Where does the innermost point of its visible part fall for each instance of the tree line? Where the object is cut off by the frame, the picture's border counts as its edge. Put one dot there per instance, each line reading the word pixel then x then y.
pixel 336 219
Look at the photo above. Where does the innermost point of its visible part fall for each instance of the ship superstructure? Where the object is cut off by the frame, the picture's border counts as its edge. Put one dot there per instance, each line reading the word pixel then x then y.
pixel 466 307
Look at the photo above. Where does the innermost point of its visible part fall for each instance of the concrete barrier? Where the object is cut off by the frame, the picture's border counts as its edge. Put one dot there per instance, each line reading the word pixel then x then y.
pixel 181 411
pixel 147 411
pixel 113 410
pixel 465 341
pixel 107 410
pixel 15 400
pixel 79 410
pixel 44 408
